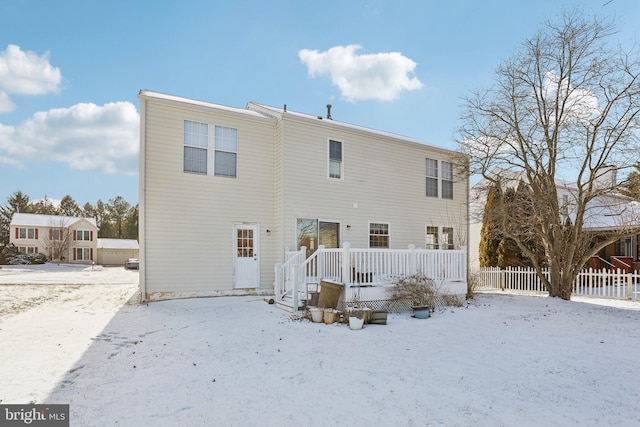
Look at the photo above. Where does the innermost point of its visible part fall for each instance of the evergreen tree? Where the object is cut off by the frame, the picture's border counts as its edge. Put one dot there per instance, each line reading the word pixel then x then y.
pixel 118 208
pixel 44 207
pixel 16 203
pixel 631 186
pixel 489 234
pixel 131 223
pixel 69 207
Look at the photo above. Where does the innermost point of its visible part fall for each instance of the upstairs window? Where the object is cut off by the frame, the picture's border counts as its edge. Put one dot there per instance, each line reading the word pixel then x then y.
pixel 378 235
pixel 226 151
pixel 439 179
pixel 210 153
pixel 196 137
pixel 447 180
pixel 26 233
pixel 432 178
pixel 83 235
pixel 335 159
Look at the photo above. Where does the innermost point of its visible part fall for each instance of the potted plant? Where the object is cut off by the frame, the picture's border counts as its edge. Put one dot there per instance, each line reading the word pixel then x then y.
pixel 355 312
pixel 418 290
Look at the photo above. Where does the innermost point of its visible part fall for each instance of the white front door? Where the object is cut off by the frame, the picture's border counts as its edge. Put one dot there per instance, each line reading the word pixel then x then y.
pixel 247 259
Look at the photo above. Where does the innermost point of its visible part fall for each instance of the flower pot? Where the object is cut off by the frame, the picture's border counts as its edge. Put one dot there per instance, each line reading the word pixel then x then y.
pixel 421 312
pixel 362 312
pixel 330 316
pixel 317 314
pixel 355 323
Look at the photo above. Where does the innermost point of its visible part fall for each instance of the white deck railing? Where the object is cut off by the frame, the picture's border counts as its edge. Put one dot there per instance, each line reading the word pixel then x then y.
pixel 603 283
pixel 355 266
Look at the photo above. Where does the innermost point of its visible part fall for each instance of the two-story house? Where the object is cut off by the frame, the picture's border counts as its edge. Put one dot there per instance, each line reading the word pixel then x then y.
pixel 60 238
pixel 605 214
pixel 223 192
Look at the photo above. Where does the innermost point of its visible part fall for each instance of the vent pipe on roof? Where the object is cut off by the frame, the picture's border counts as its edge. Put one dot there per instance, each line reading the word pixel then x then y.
pixel 285 108
pixel 329 112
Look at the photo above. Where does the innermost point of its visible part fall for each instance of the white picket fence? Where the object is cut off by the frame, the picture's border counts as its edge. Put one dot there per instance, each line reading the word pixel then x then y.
pixel 597 283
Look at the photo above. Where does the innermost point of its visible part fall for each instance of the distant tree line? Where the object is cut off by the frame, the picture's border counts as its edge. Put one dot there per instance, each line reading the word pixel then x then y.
pixel 115 219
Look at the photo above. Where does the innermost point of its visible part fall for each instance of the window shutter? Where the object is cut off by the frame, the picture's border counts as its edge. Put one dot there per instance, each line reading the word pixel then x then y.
pixel 74 254
pixel 91 254
pixel 36 249
pixel 91 235
pixel 74 234
pixel 17 232
pixel 36 235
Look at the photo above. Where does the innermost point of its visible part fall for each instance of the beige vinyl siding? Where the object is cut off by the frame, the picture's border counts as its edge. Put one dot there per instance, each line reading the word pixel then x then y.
pixel 384 177
pixel 189 218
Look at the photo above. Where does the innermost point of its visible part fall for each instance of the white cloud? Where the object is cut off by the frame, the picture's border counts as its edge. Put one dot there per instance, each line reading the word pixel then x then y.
pixel 85 136
pixel 380 76
pixel 26 73
pixel 6 105
pixel 577 103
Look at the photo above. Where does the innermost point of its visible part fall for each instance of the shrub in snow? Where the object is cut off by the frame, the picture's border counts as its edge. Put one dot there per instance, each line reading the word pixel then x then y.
pixel 25 259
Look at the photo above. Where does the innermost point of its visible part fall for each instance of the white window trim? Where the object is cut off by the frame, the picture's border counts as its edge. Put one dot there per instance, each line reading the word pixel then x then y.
pixel 26 233
pixel 211 149
pixel 83 231
pixel 388 224
pixel 439 178
pixel 441 236
pixel 329 177
pixel 83 249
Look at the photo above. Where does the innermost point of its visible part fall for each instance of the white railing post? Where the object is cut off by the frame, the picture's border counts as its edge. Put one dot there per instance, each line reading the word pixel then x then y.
pixel 412 259
pixel 278 287
pixel 346 267
pixel 629 286
pixel 320 263
pixel 294 291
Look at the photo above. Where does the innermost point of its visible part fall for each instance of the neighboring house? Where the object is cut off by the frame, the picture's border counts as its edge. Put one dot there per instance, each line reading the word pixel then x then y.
pixel 605 214
pixel 60 238
pixel 116 251
pixel 224 191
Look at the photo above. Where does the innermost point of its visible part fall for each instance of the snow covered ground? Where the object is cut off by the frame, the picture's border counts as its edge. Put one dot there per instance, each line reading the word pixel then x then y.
pixel 69 335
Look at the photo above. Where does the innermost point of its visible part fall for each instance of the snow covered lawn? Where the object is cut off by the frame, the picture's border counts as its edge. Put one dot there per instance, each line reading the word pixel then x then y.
pixel 503 360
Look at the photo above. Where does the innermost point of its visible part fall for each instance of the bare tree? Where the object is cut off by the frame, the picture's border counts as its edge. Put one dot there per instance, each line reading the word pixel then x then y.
pixel 565 106
pixel 59 239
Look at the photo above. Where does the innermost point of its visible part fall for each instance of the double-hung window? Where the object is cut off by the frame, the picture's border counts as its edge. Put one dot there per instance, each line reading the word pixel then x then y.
pixel 432 178
pixel 378 235
pixel 447 238
pixel 210 150
pixel 431 238
pixel 439 179
pixel 83 235
pixel 447 180
pixel 439 237
pixel 335 159
pixel 27 233
pixel 83 254
pixel 226 151
pixel 196 141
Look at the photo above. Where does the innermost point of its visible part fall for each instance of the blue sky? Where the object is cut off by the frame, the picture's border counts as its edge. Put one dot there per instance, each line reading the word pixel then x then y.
pixel 70 71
